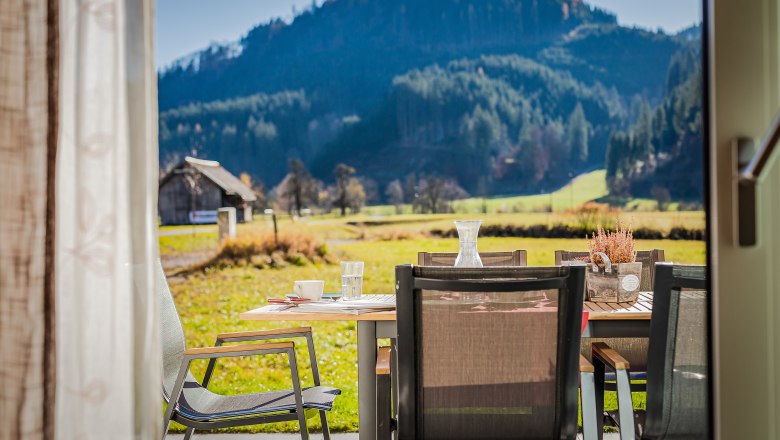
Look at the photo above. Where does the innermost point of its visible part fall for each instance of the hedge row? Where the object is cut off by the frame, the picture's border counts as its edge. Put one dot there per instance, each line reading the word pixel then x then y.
pixel 569 231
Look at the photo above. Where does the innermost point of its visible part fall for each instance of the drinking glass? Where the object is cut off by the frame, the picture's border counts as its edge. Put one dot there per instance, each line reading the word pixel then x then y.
pixel 351 280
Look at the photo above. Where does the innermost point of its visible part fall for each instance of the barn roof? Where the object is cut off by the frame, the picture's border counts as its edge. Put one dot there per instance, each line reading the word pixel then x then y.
pixel 217 174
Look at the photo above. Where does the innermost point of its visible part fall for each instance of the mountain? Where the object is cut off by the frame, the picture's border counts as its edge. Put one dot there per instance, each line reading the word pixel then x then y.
pixel 661 154
pixel 505 96
pixel 632 60
pixel 459 119
pixel 347 51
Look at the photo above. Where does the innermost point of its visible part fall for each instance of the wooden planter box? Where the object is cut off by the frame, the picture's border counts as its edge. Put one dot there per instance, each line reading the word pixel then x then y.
pixel 618 283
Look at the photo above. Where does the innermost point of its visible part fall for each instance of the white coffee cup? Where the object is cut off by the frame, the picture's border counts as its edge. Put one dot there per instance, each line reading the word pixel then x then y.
pixel 309 289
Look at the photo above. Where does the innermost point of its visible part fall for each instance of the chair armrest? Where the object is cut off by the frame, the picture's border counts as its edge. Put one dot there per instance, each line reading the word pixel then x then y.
pixel 383 361
pixel 237 350
pixel 212 353
pixel 260 335
pixel 585 365
pixel 606 354
pixel 263 334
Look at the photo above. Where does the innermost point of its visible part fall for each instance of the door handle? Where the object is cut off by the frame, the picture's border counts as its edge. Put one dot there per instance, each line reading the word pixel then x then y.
pixel 750 170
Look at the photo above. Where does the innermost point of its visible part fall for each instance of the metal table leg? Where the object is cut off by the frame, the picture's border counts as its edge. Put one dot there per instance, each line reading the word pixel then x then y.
pixel 367 379
pixel 588 404
pixel 394 374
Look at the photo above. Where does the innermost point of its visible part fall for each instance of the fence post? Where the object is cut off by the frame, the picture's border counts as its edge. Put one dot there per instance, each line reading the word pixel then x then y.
pixel 271 212
pixel 226 219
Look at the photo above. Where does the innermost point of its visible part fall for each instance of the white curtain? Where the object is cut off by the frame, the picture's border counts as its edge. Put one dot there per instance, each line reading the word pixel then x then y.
pixel 108 361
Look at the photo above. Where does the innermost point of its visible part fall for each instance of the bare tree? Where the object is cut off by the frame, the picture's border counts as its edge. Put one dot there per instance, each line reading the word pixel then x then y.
pixel 193 179
pixel 258 188
pixel 371 189
pixel 435 193
pixel 301 188
pixel 395 195
pixel 169 162
pixel 662 196
pixel 343 173
pixel 356 195
pixel 410 188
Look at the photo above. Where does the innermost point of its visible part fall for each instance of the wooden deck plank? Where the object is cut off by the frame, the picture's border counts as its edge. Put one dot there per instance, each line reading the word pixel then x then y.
pixel 644 307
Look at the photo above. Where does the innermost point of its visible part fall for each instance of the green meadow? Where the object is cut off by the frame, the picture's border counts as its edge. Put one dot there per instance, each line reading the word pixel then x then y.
pixel 210 300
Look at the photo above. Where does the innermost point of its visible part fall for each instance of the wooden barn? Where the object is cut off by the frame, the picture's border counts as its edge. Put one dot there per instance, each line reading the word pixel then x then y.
pixel 192 192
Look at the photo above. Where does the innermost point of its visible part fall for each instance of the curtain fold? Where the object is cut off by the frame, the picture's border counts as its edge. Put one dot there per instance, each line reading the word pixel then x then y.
pixel 108 370
pixel 28 116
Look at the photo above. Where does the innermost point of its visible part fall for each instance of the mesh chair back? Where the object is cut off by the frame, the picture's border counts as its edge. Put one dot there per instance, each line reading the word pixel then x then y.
pixel 172 336
pixel 489 259
pixel 647 258
pixel 678 404
pixel 488 352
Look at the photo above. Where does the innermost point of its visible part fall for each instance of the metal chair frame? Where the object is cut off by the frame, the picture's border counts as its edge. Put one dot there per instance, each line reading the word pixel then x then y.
pixel 669 281
pixel 646 257
pixel 519 257
pixel 300 413
pixel 569 280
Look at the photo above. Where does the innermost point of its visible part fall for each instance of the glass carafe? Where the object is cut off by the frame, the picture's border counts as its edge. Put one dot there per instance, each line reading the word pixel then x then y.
pixel 468 230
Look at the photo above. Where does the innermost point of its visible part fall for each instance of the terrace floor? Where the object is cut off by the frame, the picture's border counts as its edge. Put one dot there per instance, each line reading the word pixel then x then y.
pixel 313 436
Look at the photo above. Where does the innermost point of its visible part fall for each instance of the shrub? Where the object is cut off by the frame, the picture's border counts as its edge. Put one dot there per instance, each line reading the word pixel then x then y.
pixel 679 233
pixel 262 251
pixel 569 231
pixel 397 235
pixel 618 245
pixel 648 234
pixel 590 215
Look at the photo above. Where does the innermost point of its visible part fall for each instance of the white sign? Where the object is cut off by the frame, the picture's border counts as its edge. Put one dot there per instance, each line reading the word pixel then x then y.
pixel 203 217
pixel 630 283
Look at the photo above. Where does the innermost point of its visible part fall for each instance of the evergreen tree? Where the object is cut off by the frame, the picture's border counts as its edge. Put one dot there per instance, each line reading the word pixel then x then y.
pixel 617 149
pixel 642 134
pixel 577 136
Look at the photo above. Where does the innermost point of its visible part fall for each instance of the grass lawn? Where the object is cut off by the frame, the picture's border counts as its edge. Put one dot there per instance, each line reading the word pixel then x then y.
pixel 188 242
pixel 210 303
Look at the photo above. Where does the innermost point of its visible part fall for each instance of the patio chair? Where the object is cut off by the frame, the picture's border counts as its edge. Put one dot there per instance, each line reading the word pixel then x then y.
pixel 507 368
pixel 386 358
pixel 194 406
pixel 677 371
pixel 385 420
pixel 513 258
pixel 634 349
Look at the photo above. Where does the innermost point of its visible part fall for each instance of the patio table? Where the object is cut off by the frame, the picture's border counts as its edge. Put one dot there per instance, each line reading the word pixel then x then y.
pixel 606 320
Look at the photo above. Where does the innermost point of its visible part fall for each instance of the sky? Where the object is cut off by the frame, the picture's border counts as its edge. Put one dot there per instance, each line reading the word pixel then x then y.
pixel 185 26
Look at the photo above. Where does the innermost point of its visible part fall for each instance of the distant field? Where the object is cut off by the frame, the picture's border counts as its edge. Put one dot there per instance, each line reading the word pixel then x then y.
pixel 425 222
pixel 365 226
pixel 583 188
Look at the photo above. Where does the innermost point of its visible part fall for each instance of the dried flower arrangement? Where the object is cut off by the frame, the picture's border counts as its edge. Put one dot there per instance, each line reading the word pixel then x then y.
pixel 618 245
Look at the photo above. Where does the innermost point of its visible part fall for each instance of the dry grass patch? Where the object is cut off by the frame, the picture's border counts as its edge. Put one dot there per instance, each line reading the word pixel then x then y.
pixel 397 235
pixel 263 251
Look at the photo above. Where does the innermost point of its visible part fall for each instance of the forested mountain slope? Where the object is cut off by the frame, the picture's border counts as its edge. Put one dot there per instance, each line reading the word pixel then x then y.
pixel 509 96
